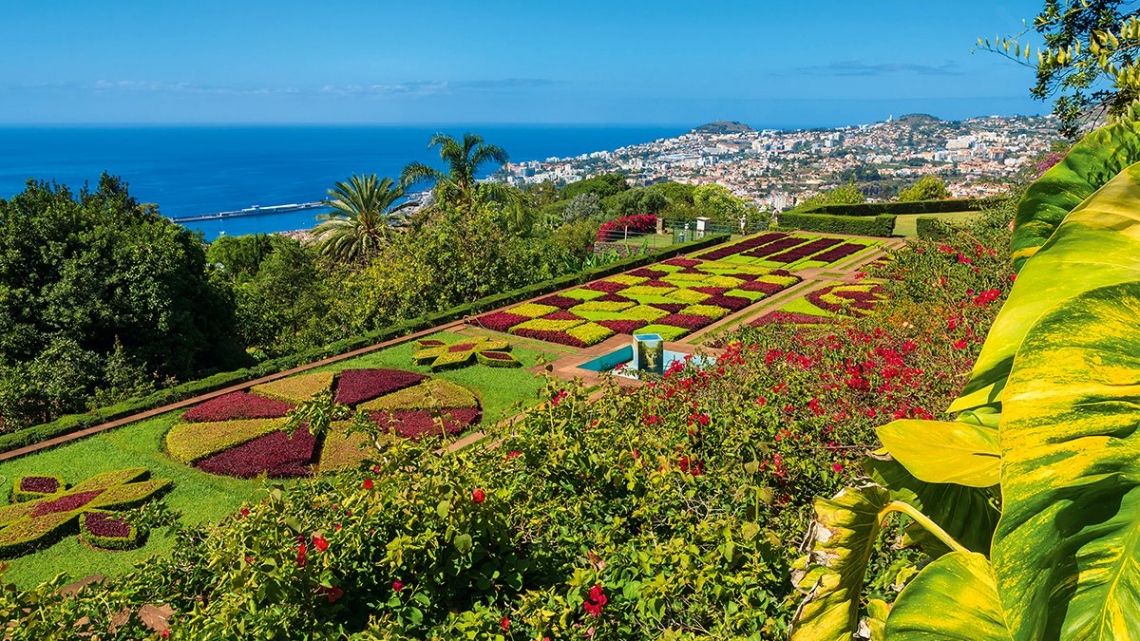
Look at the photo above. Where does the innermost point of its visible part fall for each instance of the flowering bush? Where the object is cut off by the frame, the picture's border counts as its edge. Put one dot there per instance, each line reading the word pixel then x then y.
pixel 633 225
pixel 237 406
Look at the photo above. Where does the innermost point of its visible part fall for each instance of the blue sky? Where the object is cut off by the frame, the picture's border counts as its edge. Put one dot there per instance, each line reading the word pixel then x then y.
pixel 803 63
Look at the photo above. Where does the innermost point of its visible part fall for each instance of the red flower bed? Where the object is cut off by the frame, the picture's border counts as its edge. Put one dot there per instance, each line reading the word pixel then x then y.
pixel 275 454
pixel 635 225
pixel 612 298
pixel 498 356
pixel 416 424
pixel 688 321
pixel 551 336
pixel 749 277
pixel 237 406
pixel 781 318
pixel 502 321
pixel 358 385
pixel 609 287
pixel 743 246
pixel 65 503
pixel 431 342
pixel 776 247
pixel 41 484
pixel 803 251
pixel 734 303
pixel 840 252
pixel 657 283
pixel 860 301
pixel 562 314
pixel 681 262
pixel 711 291
pixel 758 286
pixel 623 326
pixel 672 308
pixel 561 302
pixel 646 272
pixel 461 347
pixel 102 524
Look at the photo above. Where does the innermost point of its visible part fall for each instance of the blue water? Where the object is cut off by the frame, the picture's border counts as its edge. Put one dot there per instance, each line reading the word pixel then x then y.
pixel 201 170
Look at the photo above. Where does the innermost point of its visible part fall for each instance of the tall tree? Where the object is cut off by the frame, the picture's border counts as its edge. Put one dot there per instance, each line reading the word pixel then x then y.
pixel 457 187
pixel 362 219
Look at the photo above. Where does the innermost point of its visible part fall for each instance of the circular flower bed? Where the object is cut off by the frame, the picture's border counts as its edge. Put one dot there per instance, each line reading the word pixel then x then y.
pixel 242 434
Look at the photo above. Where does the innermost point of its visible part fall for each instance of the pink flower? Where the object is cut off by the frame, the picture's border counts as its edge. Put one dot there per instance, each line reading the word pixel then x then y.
pixel 478 495
pixel 837 467
pixel 397 586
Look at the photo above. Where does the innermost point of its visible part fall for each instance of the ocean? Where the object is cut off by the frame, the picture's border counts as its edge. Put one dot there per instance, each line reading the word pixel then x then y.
pixel 190 171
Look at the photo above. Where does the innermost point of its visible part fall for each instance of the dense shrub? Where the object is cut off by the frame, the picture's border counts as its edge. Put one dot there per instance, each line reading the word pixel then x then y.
pixel 879 225
pixel 903 208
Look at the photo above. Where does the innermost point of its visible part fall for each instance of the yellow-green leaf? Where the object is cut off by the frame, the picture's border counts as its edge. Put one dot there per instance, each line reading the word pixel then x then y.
pixel 1067 550
pixel 944 452
pixel 953 599
pixel 1098 244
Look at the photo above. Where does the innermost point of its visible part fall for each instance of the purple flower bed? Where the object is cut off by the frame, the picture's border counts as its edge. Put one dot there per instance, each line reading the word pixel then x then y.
pixel 237 406
pixel 711 291
pixel 776 247
pixel 688 321
pixel 501 321
pixel 658 283
pixel 734 303
pixel 561 302
pixel 672 308
pixel 359 385
pixel 624 326
pixel 65 503
pixel 416 424
pixel 562 314
pixel 681 262
pixel 275 454
pixel 550 335
pixel 102 524
pixel 40 484
pixel 860 301
pixel 795 318
pixel 646 272
pixel 803 251
pixel 498 356
pixel 840 252
pixel 758 286
pixel 747 276
pixel 609 287
pixel 461 347
pixel 743 246
pixel 612 298
pixel 430 342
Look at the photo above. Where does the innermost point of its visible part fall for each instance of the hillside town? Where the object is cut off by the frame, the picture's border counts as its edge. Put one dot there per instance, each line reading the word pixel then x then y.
pixel 776 169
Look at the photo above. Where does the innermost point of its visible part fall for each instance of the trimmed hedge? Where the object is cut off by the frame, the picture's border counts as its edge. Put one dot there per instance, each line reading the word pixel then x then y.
pixel 901 208
pixel 75 422
pixel 930 228
pixel 883 225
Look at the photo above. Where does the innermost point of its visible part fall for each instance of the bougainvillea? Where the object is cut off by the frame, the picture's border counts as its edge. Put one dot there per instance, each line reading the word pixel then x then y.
pixel 635 225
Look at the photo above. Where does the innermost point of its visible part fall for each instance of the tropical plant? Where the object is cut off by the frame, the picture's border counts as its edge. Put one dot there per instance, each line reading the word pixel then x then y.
pixel 1026 502
pixel 362 220
pixel 458 187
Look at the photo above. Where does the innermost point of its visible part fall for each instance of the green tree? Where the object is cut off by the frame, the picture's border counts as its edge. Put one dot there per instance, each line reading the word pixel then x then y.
pixel 96 273
pixel 929 187
pixel 583 207
pixel 458 187
pixel 603 186
pixel 1088 62
pixel 362 219
pixel 848 194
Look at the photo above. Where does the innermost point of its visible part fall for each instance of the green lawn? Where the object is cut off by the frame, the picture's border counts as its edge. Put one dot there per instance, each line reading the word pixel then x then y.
pixel 907 225
pixel 205 498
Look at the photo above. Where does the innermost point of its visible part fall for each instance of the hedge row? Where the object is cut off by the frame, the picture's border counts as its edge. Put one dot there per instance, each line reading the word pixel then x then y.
pixel 75 422
pixel 883 225
pixel 931 228
pixel 901 208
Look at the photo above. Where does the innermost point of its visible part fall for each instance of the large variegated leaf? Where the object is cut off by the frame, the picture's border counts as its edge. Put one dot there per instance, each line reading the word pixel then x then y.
pixel 1098 244
pixel 1067 549
pixel 968 514
pixel 840 543
pixel 944 452
pixel 1091 163
pixel 953 599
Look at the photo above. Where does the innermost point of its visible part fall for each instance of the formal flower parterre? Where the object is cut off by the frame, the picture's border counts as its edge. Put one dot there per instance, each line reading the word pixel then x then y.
pixel 440 355
pixel 236 406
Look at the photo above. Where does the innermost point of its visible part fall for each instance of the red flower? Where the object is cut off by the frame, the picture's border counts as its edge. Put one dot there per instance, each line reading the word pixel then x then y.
pixel 244 512
pixel 375 469
pixel 333 593
pixel 511 455
pixel 367 484
pixel 505 624
pixel 165 634
pixel 837 467
pixel 397 586
pixel 559 397
pixel 960 344
pixel 592 609
pixel 320 543
pixel 302 553
pixel 598 595
pixel 478 496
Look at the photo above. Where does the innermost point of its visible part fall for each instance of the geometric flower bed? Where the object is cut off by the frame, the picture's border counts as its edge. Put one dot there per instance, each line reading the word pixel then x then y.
pixel 788 251
pixel 826 305
pixel 36 519
pixel 484 350
pixel 241 434
pixel 671 298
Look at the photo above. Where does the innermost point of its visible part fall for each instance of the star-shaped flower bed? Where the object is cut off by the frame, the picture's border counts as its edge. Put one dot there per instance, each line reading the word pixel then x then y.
pixel 484 350
pixel 44 509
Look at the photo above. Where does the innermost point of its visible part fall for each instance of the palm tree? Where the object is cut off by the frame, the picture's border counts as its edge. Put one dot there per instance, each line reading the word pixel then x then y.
pixel 362 218
pixel 458 186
